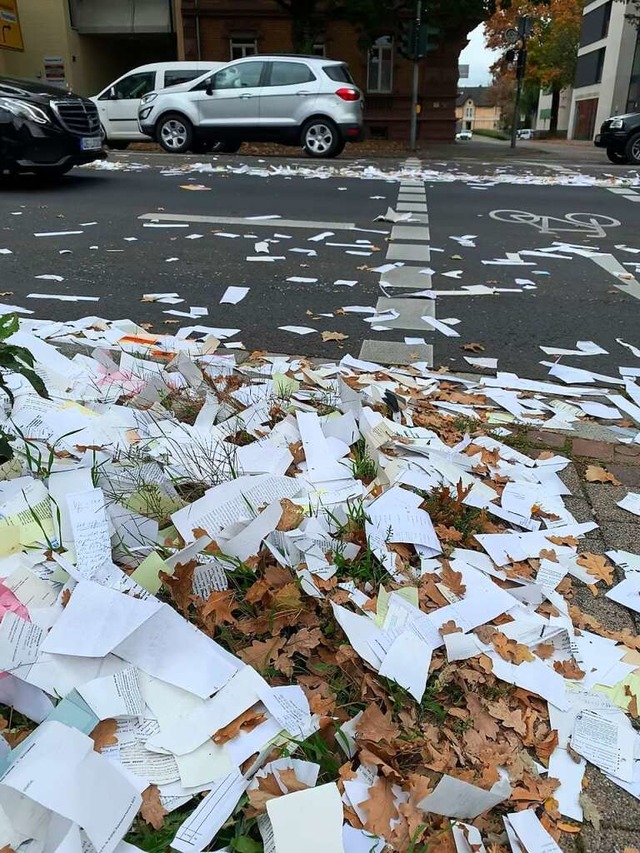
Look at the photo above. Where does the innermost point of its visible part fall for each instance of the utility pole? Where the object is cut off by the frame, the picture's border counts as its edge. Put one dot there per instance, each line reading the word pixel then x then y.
pixel 416 76
pixel 525 26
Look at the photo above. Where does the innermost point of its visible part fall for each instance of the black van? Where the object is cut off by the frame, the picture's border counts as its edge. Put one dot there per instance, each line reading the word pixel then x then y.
pixel 46 130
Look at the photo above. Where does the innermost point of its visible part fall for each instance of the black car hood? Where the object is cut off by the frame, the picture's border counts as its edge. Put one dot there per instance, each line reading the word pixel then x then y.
pixel 635 117
pixel 31 90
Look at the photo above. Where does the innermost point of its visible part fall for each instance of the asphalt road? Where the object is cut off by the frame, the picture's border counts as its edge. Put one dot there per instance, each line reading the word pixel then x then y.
pixel 118 257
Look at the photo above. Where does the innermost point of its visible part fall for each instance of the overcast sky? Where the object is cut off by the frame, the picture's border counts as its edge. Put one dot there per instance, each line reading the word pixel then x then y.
pixel 479 58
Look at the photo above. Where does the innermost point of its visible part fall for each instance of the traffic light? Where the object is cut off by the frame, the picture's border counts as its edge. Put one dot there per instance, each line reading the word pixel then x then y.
pixel 416 45
pixel 407 38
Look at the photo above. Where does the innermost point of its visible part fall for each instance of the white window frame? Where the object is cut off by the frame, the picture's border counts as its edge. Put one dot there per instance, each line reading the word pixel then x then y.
pixel 383 50
pixel 245 46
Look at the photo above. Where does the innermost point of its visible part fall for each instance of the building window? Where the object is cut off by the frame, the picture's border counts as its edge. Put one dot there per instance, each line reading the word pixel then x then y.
pixel 595 25
pixel 319 49
pixel 380 67
pixel 241 47
pixel 589 68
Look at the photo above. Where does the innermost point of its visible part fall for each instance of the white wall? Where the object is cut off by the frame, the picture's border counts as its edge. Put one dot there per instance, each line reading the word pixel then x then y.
pixel 564 110
pixel 613 89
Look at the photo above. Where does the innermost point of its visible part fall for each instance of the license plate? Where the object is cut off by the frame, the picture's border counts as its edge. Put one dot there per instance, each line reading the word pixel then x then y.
pixel 91 143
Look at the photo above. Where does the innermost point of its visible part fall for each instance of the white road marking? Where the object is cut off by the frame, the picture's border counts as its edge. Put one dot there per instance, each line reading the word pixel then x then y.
pixel 162 218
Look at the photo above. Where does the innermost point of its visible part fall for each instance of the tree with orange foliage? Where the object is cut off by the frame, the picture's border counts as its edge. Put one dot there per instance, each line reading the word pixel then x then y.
pixel 552 47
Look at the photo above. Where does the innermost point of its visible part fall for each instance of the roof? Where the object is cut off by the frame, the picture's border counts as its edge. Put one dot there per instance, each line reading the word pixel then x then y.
pixel 482 96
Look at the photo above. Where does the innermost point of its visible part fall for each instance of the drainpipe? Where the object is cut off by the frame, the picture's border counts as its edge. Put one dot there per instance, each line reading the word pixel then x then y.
pixel 197 21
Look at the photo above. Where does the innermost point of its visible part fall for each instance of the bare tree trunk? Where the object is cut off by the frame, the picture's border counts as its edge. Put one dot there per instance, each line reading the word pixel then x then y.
pixel 555 108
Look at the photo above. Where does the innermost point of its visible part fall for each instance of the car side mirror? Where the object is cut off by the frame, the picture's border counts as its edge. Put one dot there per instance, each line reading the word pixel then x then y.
pixel 112 94
pixel 209 87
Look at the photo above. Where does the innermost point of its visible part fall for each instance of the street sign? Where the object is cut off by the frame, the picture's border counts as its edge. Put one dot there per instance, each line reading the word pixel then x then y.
pixel 10 32
pixel 463 72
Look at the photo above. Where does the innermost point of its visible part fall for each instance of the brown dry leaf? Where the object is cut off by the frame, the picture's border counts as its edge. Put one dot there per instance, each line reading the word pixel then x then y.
pixel 7 849
pixel 448 534
pixel 65 597
pixel 544 650
pixel 291 517
pixel 303 642
pixel 376 726
pixel 6 293
pixel 246 722
pixel 152 811
pixel 333 336
pixel 268 789
pixel 591 812
pixel 569 669
pixel 472 347
pixel 510 649
pixel 180 584
pixel 287 599
pixel 632 707
pixel 380 807
pixel 104 734
pixel 548 554
pixel 450 627
pixel 291 781
pixel 573 828
pixel 570 541
pixel 596 566
pixel 596 474
pixel 217 608
pixel 547 746
pixel 452 579
pixel 260 654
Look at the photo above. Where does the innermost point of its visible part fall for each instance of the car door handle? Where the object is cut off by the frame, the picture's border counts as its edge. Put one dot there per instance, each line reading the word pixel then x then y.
pixel 247 95
pixel 303 93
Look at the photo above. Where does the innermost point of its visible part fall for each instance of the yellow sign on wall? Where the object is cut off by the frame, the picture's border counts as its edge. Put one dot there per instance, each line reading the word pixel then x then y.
pixel 10 32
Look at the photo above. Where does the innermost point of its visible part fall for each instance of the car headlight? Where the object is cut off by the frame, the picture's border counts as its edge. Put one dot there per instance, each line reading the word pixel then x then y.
pixel 148 98
pixel 616 124
pixel 24 110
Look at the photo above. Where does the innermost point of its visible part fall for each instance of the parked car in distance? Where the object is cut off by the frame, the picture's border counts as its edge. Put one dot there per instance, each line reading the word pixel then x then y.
pixel 620 135
pixel 45 129
pixel 295 100
pixel 118 103
pixel 525 133
pixel 463 135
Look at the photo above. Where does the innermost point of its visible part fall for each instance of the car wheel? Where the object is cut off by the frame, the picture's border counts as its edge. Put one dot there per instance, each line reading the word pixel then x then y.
pixel 320 138
pixel 632 149
pixel 617 157
pixel 175 134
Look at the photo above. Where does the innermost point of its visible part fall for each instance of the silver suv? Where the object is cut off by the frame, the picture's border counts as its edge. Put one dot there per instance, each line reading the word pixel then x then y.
pixel 295 100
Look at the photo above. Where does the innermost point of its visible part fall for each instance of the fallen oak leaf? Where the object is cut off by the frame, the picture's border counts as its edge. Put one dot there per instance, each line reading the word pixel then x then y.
pixel 511 650
pixel 104 734
pixel 291 782
pixel 597 474
pixel 452 579
pixel 334 336
pixel 291 517
pixel 375 726
pixel 596 566
pixel 260 654
pixel 268 789
pixel 544 650
pixel 246 722
pixel 380 808
pixel 569 669
pixel 450 627
pixel 473 347
pixel 217 608
pixel 152 811
pixel 65 597
pixel 569 541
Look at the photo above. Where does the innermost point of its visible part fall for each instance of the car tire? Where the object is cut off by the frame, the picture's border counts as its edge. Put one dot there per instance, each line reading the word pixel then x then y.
pixel 321 138
pixel 632 149
pixel 174 132
pixel 617 157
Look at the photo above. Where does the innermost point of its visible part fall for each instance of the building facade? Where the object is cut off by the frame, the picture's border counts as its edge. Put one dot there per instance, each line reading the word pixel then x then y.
pixel 607 78
pixel 543 116
pixel 477 109
pixel 85 44
pixel 221 30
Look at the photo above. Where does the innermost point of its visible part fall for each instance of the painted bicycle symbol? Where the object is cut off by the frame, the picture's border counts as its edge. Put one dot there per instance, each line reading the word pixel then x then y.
pixel 588 224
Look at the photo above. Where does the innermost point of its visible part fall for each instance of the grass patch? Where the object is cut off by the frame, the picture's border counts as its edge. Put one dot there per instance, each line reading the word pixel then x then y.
pixel 362 465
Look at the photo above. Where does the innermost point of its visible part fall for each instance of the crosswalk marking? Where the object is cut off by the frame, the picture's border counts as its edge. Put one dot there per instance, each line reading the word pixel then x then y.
pixel 408 244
